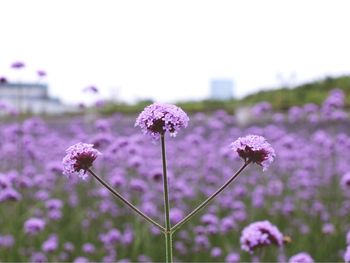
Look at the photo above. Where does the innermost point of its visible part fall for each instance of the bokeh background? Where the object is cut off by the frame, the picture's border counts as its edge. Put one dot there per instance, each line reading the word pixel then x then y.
pixel 82 71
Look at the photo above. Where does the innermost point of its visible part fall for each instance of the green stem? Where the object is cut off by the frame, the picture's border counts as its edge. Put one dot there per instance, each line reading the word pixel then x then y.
pixel 210 198
pixel 168 233
pixel 125 201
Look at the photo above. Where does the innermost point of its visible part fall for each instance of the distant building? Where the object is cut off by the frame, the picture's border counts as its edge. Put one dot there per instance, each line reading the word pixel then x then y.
pixel 29 97
pixel 221 89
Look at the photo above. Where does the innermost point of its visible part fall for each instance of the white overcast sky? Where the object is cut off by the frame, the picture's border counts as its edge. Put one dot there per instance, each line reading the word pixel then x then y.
pixel 170 50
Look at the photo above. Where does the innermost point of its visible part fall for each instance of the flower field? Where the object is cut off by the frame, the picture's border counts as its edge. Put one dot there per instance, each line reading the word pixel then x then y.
pixel 304 194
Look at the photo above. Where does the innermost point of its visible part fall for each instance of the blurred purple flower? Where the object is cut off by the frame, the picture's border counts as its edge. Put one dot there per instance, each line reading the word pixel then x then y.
pixel 9 194
pixel 176 215
pixel 138 185
pixel 227 224
pixel 112 237
pixel 345 180
pixel 301 257
pixel 51 244
pixel 89 248
pixel 17 65
pixel 79 159
pixel 180 247
pixel 34 225
pixel 144 258
pixel 42 195
pixel 216 252
pixel 3 80
pixel 254 148
pixel 68 246
pixel 6 241
pixel 202 242
pixel 348 238
pixel 261 108
pixel 81 260
pixel 38 257
pixel 209 219
pixel 100 103
pixel 328 228
pixel 347 254
pixel 157 119
pixel 55 214
pixel 258 234
pixel 335 99
pixel 41 73
pixel 53 204
pixel 233 257
pixel 128 236
pixel 91 89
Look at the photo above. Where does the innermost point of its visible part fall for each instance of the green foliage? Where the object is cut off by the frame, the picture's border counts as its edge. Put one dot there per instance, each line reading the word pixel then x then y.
pixel 280 99
pixel 313 92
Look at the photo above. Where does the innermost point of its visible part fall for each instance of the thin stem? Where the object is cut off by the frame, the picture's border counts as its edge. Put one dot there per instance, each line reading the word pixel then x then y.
pixel 168 234
pixel 210 198
pixel 125 201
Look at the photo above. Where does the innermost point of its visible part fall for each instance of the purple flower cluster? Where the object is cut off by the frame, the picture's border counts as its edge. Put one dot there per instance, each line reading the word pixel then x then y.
pixel 79 159
pixel 157 119
pixel 259 234
pixel 255 149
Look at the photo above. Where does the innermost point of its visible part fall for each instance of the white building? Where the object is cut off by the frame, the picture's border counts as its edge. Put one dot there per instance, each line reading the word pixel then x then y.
pixel 221 89
pixel 30 97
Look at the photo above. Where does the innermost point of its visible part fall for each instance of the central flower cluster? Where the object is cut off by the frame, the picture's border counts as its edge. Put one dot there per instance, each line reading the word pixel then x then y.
pixel 156 119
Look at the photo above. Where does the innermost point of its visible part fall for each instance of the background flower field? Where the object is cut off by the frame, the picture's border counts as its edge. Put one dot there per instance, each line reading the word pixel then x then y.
pixel 305 192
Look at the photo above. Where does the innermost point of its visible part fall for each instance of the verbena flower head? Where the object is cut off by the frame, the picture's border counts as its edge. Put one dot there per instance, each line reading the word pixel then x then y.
pixel 301 257
pixel 79 159
pixel 254 148
pixel 258 234
pixel 156 119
